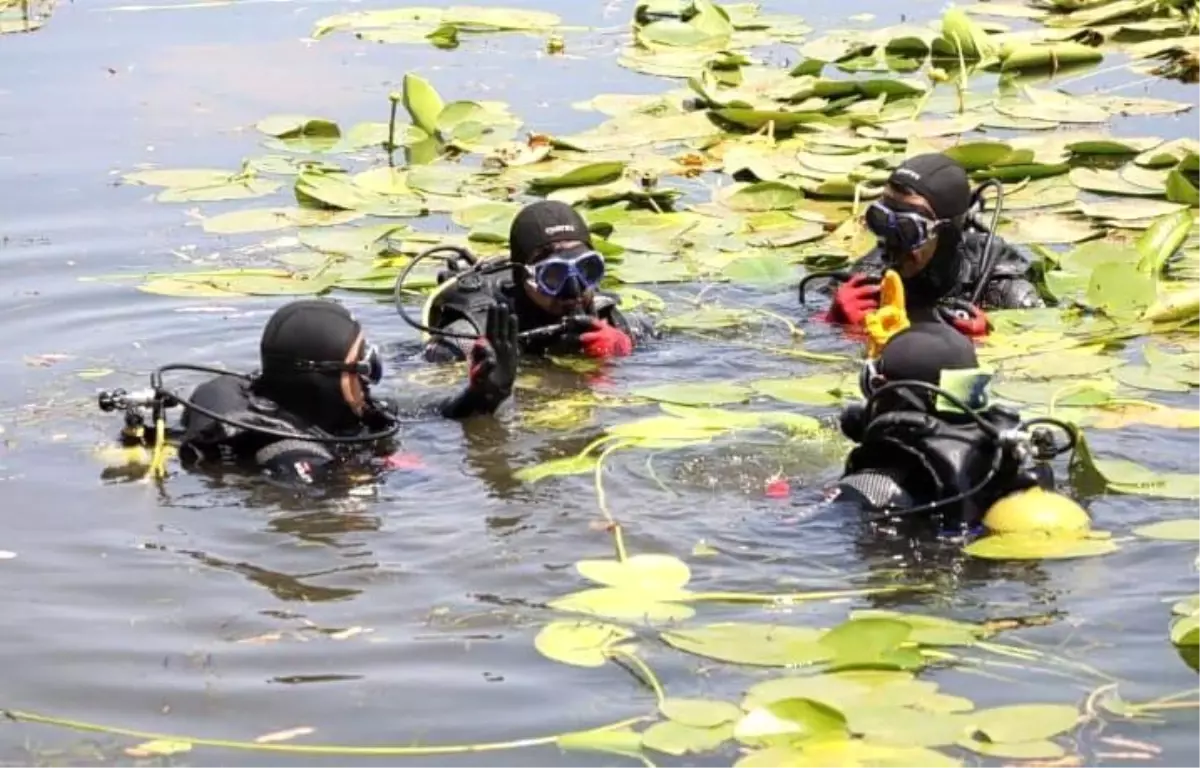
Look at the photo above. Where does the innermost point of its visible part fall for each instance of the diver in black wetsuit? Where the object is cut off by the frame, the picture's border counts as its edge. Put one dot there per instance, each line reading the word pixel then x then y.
pixel 552 285
pixel 922 225
pixel 929 444
pixel 310 408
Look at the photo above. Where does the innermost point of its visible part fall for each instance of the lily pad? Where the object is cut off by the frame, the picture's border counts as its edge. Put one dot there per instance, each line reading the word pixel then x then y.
pixel 1023 722
pixel 622 604
pixel 1039 546
pixel 1021 750
pixel 675 738
pixel 581 643
pixel 696 393
pixel 1185 631
pixel 767 645
pixel 788 720
pixel 1171 530
pixel 762 270
pixel 648 572
pixel 572 465
pixel 699 713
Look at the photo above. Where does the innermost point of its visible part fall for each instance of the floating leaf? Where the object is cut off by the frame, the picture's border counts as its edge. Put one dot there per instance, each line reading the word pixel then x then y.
pixel 1024 722
pixel 619 741
pixel 582 643
pixel 1186 631
pixel 846 752
pixel 820 389
pixel 585 175
pixel 765 196
pixel 647 573
pixel 1171 530
pixel 708 318
pixel 699 713
pixel 788 720
pixel 901 727
pixel 865 641
pixel 1120 288
pixel 272 219
pixel 763 270
pixel 765 645
pixel 1051 56
pixel 696 393
pixel 674 738
pixel 622 604
pixel 292 126
pixel 1022 750
pixel 1038 546
pixel 928 630
pixel 1128 210
pixel 571 465
pixel 1109 182
pixel 1144 377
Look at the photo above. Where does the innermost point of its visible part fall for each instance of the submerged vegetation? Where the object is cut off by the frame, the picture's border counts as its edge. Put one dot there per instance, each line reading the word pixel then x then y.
pixel 749 173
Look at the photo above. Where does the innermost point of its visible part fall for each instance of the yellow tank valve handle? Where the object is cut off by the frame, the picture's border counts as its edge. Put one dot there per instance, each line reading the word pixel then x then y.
pixel 891 317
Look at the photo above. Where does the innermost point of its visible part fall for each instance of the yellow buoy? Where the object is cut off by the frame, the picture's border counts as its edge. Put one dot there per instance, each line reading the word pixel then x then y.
pixel 1036 509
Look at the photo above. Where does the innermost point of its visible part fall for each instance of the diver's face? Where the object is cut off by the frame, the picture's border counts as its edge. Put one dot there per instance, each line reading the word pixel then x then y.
pixel 911 263
pixel 351 384
pixel 562 280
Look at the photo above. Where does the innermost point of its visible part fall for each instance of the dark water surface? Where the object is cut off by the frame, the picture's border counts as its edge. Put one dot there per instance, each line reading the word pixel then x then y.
pixel 406 614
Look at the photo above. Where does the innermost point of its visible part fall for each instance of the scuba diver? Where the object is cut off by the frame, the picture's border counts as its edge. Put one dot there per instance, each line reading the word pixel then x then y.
pixel 309 409
pixel 929 445
pixel 550 284
pixel 929 231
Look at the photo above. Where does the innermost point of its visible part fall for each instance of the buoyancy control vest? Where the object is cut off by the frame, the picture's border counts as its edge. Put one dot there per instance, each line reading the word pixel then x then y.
pixel 208 440
pixel 908 459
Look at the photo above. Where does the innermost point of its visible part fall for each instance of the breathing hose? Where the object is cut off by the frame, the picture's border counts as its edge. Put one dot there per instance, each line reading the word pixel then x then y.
pixel 990 259
pixel 481 269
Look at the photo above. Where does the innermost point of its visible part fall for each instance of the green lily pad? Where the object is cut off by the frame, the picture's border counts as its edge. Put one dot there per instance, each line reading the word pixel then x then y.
pixel 765 196
pixel 699 713
pixel 1022 750
pixel 674 738
pixel 571 465
pixel 902 727
pixel 622 605
pixel 823 752
pixel 583 176
pixel 928 630
pixel 708 319
pixel 617 741
pixel 788 720
pixel 819 389
pixel 1128 209
pixel 581 643
pixel 767 645
pixel 647 572
pixel 762 270
pixel 1145 377
pixel 1038 546
pixel 696 393
pixel 273 219
pixel 1023 722
pixel 1185 631
pixel 1171 530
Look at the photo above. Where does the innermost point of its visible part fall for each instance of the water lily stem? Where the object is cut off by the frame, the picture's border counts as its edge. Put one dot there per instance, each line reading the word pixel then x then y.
pixel 644 672
pixel 602 501
pixel 302 749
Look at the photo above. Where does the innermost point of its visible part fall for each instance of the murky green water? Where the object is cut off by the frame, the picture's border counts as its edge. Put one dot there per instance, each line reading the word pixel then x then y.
pixel 406 614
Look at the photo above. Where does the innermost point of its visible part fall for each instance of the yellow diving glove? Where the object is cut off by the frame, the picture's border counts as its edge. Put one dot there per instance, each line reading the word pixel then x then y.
pixel 891 317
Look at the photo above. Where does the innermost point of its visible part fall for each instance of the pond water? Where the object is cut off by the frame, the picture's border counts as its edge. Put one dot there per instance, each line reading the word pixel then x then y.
pixel 405 613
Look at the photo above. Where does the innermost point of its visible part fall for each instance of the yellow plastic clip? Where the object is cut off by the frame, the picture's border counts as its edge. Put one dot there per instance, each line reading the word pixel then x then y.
pixel 158 459
pixel 891 318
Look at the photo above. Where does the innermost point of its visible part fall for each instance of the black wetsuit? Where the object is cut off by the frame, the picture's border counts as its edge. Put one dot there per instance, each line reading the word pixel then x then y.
pixel 909 458
pixel 462 309
pixel 1008 287
pixel 305 458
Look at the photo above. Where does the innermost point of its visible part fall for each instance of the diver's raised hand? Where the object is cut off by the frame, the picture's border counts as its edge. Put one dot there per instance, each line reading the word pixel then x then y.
pixel 493 359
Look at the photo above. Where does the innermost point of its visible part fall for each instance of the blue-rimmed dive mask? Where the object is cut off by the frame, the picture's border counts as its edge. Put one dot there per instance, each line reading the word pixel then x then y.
pixel 568 275
pixel 900 227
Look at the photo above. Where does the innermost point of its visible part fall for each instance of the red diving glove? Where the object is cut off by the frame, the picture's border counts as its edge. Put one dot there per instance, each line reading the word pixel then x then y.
pixel 967 319
pixel 605 341
pixel 854 299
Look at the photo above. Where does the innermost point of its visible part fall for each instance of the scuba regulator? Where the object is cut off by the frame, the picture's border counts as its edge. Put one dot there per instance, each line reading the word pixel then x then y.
pixel 464 271
pixel 951 308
